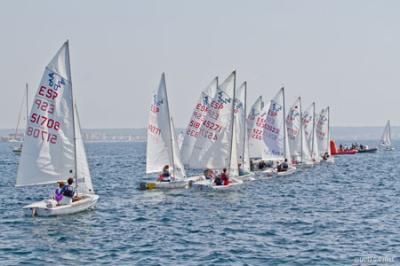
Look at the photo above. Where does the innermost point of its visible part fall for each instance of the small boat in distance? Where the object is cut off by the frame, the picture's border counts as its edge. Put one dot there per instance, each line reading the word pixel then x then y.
pixel 386 140
pixel 53 147
pixel 17 149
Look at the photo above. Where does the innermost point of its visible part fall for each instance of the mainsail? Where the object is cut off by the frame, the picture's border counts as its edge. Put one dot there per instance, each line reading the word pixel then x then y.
pixel 293 123
pixel 162 146
pixel 53 145
pixel 255 128
pixel 240 127
pixel 199 114
pixel 309 127
pixel 275 135
pixel 322 131
pixel 213 145
pixel 386 140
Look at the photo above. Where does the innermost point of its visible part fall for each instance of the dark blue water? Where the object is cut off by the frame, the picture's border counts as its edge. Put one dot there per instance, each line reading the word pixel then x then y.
pixel 337 214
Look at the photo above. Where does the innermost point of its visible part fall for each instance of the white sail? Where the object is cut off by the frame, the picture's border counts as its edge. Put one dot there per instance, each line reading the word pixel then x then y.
pixel 322 130
pixel 293 124
pixel 214 143
pixel 178 168
pixel 200 111
pixel 49 151
pixel 386 140
pixel 275 135
pixel 240 122
pixel 84 179
pixel 255 128
pixel 309 127
pixel 161 141
pixel 22 116
pixel 233 168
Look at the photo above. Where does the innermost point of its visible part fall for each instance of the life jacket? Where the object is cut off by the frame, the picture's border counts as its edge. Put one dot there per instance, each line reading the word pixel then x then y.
pixel 68 191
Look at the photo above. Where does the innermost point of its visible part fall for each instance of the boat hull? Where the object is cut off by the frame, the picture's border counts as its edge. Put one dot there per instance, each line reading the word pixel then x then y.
pixel 40 208
pixel 209 185
pixel 290 171
pixel 179 184
pixel 368 150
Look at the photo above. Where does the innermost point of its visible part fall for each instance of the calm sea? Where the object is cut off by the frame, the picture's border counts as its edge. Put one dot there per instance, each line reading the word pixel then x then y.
pixel 342 214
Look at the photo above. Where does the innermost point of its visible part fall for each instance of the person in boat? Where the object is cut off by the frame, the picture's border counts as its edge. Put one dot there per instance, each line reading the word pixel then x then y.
pixel 58 196
pixel 326 156
pixel 261 165
pixel 218 181
pixel 68 192
pixel 284 166
pixel 225 177
pixel 209 174
pixel 165 175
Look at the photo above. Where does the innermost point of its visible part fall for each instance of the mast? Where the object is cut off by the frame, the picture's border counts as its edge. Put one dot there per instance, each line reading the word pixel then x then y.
pixel 284 123
pixel 313 129
pixel 73 117
pixel 301 132
pixel 232 117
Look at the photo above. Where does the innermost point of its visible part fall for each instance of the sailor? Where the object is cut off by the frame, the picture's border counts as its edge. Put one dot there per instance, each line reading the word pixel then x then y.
pixel 284 166
pixel 225 177
pixel 68 192
pixel 165 175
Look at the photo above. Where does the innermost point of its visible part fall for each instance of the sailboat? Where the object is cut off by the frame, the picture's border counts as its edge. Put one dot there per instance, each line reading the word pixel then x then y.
pixel 17 149
pixel 240 129
pixel 200 111
pixel 386 140
pixel 53 147
pixel 276 148
pixel 299 150
pixel 323 135
pixel 216 147
pixel 162 144
pixel 309 127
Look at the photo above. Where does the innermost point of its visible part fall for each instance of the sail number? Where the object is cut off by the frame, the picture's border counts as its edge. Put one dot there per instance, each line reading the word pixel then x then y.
pixel 47 92
pixel 155 130
pixel 44 135
pixel 44 121
pixel 44 106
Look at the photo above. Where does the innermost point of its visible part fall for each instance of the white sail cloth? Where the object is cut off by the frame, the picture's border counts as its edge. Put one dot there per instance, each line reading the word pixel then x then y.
pixel 293 124
pixel 275 135
pixel 386 140
pixel 240 127
pixel 162 146
pixel 200 111
pixel 322 130
pixel 255 127
pixel 213 145
pixel 49 147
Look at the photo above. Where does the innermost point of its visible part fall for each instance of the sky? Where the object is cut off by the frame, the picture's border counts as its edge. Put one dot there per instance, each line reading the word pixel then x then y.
pixel 345 54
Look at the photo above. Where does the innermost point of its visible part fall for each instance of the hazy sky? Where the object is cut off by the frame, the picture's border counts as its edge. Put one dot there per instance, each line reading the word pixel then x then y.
pixel 345 54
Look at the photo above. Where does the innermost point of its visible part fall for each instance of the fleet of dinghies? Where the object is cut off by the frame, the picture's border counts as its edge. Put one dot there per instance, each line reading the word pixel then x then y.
pixel 220 135
pixel 222 139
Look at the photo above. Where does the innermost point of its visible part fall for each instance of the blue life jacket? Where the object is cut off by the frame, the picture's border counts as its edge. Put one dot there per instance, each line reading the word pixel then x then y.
pixel 68 191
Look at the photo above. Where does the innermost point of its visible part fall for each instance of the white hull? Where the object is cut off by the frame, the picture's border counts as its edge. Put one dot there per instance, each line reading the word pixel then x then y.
pixel 246 177
pixel 290 171
pixel 209 185
pixel 40 208
pixel 178 184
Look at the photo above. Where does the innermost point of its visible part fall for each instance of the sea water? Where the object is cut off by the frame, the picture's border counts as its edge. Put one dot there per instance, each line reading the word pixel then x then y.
pixel 341 214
